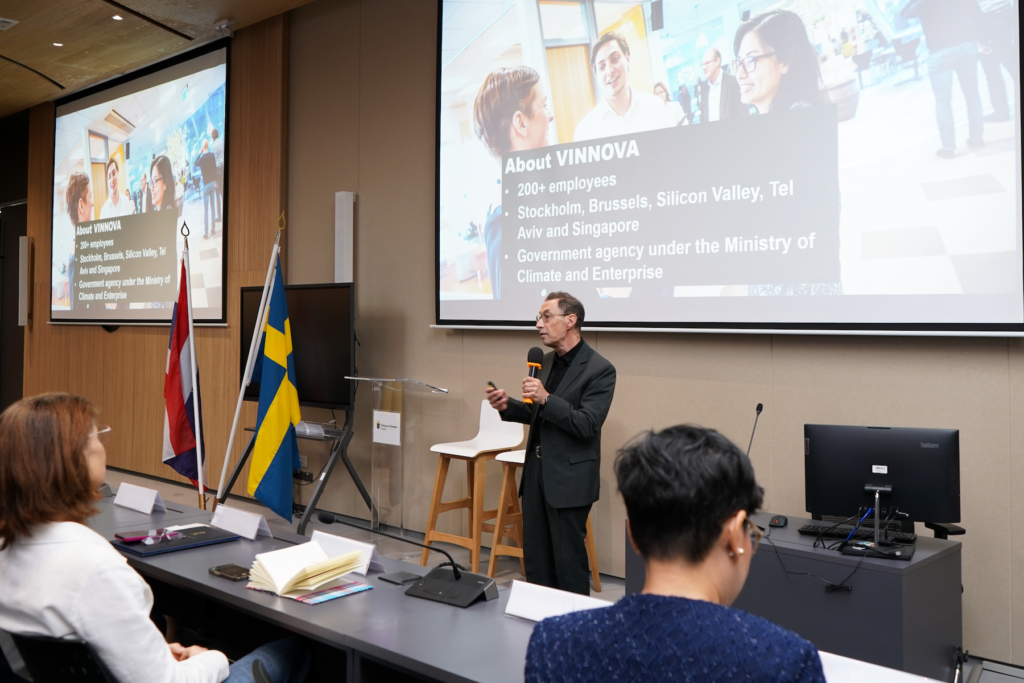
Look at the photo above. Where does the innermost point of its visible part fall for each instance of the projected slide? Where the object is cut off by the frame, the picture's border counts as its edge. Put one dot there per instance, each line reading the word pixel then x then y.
pixel 132 165
pixel 757 163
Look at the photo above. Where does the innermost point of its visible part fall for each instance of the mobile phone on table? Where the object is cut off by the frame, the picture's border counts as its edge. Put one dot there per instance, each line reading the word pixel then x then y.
pixel 136 536
pixel 231 572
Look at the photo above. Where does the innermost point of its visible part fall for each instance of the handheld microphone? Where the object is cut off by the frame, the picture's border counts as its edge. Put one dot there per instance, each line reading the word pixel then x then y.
pixel 533 361
pixel 760 407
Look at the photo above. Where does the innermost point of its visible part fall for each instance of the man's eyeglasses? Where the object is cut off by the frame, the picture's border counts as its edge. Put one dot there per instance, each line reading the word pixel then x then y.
pixel 102 433
pixel 548 316
pixel 749 64
pixel 157 535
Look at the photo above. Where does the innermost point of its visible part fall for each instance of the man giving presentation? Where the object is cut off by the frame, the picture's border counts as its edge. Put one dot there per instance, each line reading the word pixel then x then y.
pixel 561 476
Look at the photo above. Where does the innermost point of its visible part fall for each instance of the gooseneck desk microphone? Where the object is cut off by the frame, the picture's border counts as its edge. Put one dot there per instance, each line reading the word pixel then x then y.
pixel 760 407
pixel 445 583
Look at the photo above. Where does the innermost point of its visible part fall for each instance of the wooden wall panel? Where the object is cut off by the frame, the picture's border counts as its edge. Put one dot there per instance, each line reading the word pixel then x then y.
pixel 123 371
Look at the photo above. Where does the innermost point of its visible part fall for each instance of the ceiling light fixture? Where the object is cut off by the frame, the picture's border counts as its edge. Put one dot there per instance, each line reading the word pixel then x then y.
pixel 223 27
pixel 58 44
pixel 117 17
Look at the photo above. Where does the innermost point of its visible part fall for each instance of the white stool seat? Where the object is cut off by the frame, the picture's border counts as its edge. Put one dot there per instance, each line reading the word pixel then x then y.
pixel 493 435
pixel 518 457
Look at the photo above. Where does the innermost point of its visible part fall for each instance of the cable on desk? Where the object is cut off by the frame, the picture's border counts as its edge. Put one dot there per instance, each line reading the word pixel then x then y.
pixel 830 587
pixel 821 539
pixel 854 529
pixel 839 545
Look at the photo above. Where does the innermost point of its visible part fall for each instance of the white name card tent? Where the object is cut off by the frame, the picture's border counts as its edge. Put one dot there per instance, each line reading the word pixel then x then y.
pixel 339 545
pixel 845 670
pixel 139 498
pixel 533 602
pixel 245 524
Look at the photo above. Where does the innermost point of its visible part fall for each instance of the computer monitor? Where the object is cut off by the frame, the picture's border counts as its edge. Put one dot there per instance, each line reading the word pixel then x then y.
pixel 921 467
pixel 322 320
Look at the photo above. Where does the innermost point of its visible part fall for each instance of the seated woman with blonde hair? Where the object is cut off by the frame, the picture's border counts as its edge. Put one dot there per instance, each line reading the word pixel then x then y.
pixel 63 580
pixel 689 493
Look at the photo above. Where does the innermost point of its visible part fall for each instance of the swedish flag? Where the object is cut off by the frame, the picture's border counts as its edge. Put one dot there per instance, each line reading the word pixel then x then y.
pixel 276 452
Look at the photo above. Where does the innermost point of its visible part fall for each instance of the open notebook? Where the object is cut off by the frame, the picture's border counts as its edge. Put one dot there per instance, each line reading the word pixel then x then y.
pixel 301 569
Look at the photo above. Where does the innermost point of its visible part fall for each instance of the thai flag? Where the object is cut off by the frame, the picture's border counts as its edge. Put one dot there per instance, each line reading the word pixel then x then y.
pixel 179 421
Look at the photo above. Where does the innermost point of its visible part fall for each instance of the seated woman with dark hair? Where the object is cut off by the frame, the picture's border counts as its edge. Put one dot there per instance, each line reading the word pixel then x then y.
pixel 689 493
pixel 61 579
pixel 776 65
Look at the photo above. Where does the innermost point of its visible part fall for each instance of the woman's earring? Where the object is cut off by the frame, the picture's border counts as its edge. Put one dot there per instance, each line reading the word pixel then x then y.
pixel 739 550
pixel 732 554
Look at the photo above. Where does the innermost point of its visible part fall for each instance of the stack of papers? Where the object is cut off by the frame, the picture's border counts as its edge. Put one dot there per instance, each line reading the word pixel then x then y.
pixel 299 570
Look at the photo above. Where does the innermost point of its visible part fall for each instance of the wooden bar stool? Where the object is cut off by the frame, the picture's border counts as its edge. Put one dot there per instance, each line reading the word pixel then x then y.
pixel 510 513
pixel 493 437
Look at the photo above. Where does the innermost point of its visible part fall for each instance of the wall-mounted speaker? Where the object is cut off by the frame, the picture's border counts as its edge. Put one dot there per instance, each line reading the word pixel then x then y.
pixel 344 224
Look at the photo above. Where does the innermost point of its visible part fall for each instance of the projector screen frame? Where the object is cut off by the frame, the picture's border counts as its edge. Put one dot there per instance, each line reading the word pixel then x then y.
pixel 1003 330
pixel 126 78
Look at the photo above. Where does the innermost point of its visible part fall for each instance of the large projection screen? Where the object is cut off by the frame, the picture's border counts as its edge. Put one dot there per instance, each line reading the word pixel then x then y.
pixel 818 165
pixel 133 162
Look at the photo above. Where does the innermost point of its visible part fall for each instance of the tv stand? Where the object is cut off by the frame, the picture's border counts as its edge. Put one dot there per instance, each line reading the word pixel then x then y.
pixel 339 451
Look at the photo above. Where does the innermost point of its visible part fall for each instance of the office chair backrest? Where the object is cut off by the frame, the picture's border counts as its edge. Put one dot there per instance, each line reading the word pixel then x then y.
pixel 54 660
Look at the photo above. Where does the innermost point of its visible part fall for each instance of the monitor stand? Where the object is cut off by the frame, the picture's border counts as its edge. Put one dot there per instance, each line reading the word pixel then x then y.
pixel 878 548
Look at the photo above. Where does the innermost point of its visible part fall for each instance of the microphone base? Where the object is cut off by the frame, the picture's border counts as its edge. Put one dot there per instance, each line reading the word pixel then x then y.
pixel 440 586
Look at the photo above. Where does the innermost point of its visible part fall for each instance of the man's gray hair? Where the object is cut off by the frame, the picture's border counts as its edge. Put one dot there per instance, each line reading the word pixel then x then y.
pixel 569 305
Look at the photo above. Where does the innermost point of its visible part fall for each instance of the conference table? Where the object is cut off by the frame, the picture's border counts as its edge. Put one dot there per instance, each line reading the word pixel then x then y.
pixel 376 635
pixel 380 634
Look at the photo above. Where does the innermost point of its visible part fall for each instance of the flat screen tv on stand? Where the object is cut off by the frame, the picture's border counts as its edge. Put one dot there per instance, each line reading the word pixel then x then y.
pixel 321 318
pixel 322 321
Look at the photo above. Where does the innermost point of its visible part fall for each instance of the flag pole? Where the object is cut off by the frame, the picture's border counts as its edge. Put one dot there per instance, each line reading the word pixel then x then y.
pixel 253 349
pixel 195 384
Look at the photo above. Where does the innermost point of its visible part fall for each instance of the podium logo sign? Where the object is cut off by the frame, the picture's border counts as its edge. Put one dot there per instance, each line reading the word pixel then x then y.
pixel 387 428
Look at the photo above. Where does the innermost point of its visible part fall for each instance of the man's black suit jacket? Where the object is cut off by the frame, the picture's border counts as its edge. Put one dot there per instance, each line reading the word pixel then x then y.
pixel 731 106
pixel 570 427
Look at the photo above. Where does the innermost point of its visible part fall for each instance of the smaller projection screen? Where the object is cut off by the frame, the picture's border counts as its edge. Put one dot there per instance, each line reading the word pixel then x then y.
pixel 322 322
pixel 832 165
pixel 133 162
